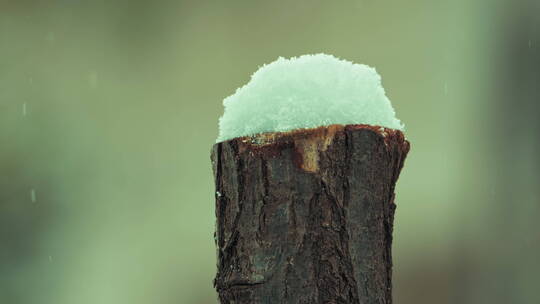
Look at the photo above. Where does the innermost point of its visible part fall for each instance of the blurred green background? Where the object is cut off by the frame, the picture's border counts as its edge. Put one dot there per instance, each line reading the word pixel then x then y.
pixel 108 111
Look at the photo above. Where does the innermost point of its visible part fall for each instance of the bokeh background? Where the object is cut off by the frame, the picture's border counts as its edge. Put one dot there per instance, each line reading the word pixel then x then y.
pixel 108 111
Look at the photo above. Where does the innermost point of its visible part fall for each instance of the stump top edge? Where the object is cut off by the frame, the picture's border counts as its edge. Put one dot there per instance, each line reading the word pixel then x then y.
pixel 269 138
pixel 309 143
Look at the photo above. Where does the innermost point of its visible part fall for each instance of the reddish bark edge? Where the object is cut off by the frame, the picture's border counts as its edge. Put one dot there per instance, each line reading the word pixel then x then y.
pixel 306 216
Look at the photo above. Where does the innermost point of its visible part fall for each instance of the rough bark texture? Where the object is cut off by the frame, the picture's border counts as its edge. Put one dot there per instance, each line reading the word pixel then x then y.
pixel 306 216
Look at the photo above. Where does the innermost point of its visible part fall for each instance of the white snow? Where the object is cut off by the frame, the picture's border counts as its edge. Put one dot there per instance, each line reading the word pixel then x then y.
pixel 306 92
pixel 33 195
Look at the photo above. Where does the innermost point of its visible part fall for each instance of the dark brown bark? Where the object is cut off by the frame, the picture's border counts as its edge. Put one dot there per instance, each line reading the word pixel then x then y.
pixel 306 216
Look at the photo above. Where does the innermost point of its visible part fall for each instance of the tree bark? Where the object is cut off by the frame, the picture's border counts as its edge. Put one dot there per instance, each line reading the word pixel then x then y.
pixel 307 216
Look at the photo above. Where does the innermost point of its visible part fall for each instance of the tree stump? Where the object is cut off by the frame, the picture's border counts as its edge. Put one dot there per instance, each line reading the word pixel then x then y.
pixel 306 216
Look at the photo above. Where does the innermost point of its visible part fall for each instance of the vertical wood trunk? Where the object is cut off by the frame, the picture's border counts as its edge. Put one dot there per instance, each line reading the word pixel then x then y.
pixel 306 216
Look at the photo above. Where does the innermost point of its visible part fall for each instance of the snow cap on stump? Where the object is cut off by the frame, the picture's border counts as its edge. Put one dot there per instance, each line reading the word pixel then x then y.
pixel 307 92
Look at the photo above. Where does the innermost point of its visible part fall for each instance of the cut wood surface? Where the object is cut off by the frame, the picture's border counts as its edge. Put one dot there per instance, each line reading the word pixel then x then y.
pixel 306 216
